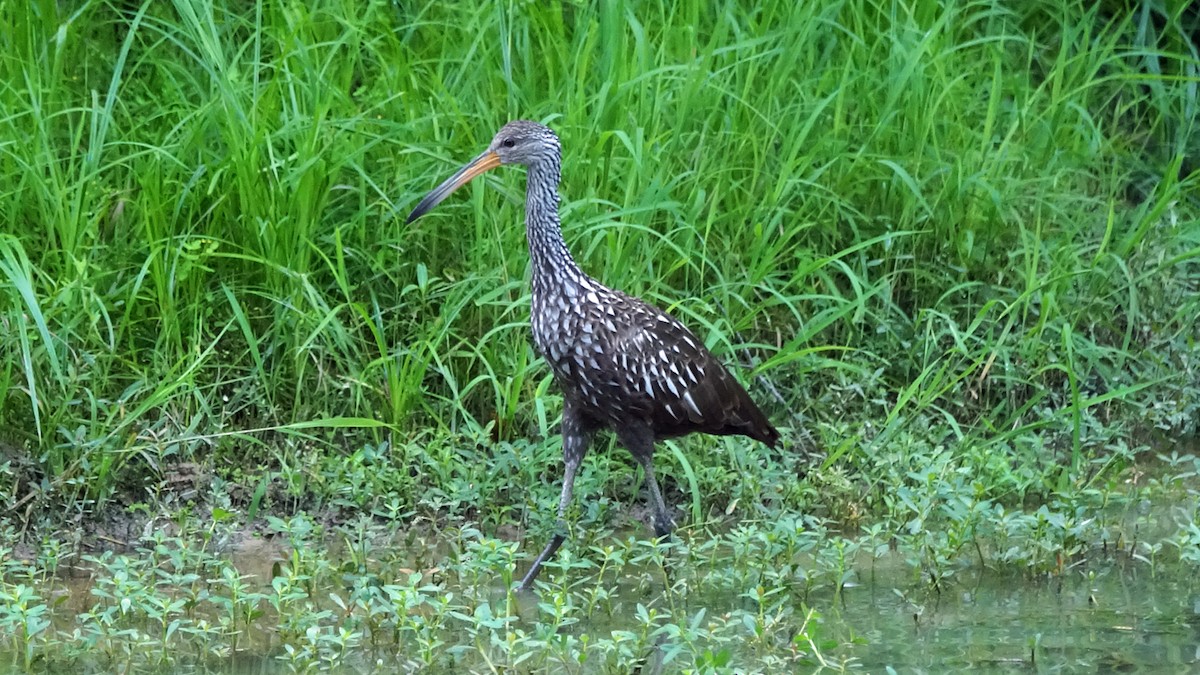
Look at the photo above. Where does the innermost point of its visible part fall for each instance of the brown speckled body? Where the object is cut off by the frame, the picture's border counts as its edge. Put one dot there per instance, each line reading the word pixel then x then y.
pixel 625 362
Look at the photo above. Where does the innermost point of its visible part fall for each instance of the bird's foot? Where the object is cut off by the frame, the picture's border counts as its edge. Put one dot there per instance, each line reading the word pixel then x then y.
pixel 551 548
pixel 663 530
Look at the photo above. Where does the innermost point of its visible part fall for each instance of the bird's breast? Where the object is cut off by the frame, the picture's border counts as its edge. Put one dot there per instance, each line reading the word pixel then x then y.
pixel 598 350
pixel 568 339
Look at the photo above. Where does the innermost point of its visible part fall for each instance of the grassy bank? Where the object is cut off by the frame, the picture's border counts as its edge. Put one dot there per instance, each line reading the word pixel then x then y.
pixel 955 249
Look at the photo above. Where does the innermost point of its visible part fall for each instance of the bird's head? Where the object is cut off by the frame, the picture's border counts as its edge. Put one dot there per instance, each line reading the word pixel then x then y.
pixel 518 142
pixel 525 142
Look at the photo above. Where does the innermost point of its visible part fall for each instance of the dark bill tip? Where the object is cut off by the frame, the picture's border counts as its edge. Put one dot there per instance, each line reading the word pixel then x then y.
pixel 485 162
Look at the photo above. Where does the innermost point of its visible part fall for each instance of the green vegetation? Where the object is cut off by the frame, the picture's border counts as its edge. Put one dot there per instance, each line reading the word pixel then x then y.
pixel 955 247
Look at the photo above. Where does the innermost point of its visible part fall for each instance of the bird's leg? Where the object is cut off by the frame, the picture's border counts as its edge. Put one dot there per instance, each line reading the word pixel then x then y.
pixel 560 534
pixel 639 441
pixel 575 441
pixel 663 524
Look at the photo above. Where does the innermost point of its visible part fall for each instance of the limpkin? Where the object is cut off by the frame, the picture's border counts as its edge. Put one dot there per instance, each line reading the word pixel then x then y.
pixel 621 363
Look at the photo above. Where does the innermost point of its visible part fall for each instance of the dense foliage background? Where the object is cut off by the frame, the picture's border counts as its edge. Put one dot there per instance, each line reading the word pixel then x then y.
pixel 959 235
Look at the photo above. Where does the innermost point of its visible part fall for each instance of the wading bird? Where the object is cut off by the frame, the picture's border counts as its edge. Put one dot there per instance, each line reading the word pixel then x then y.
pixel 621 363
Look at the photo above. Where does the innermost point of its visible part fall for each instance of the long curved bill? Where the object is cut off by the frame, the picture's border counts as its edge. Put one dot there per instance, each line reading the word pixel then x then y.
pixel 485 162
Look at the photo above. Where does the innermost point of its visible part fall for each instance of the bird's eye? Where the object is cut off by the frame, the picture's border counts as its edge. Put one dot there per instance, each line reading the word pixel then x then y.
pixel 508 142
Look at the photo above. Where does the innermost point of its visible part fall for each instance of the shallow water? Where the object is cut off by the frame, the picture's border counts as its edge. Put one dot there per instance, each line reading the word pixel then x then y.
pixel 1114 619
pixel 1117 617
pixel 1112 616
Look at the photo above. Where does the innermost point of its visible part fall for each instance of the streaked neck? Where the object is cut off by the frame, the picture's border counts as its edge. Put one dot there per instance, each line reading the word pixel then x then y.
pixel 554 269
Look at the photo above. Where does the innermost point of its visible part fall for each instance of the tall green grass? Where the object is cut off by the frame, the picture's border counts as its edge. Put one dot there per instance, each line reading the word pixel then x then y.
pixel 977 217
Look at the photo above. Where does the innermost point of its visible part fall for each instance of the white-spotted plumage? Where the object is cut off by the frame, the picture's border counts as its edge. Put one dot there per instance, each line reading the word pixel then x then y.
pixel 621 363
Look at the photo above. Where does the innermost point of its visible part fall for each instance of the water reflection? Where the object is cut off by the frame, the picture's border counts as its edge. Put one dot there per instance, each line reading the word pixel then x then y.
pixel 1117 618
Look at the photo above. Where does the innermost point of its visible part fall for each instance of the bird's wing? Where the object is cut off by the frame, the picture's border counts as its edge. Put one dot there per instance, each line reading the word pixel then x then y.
pixel 667 376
